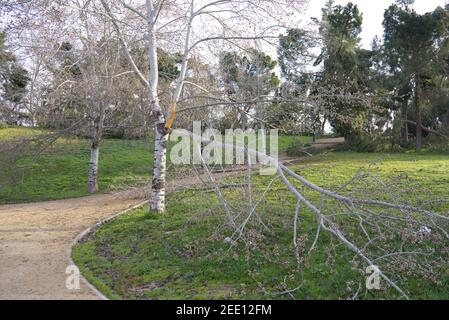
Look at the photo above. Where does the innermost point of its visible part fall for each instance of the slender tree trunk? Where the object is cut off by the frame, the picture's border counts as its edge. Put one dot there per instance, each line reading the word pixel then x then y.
pixel 157 201
pixel 92 184
pixel 323 126
pixel 445 124
pixel 405 118
pixel 159 168
pixel 97 131
pixel 418 112
pixel 33 119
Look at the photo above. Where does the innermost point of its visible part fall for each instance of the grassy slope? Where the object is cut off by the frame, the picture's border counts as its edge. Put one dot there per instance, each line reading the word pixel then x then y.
pixel 182 254
pixel 16 133
pixel 286 141
pixel 61 175
pixel 61 171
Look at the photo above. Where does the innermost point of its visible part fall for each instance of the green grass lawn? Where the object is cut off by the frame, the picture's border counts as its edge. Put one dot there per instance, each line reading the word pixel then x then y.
pixel 18 132
pixel 59 175
pixel 182 254
pixel 286 141
pixel 61 170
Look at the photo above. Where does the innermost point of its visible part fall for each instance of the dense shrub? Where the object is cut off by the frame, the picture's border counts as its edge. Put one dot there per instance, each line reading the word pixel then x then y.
pixel 369 144
pixel 437 144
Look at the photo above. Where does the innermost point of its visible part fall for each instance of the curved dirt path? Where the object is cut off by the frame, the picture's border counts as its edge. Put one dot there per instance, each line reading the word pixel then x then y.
pixel 34 238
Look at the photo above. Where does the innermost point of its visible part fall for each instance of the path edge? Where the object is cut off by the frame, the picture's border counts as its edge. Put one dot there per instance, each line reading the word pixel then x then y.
pixel 81 235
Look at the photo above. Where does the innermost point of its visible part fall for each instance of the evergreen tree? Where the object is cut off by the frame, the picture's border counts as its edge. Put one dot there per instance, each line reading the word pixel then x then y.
pixel 415 47
pixel 247 78
pixel 13 83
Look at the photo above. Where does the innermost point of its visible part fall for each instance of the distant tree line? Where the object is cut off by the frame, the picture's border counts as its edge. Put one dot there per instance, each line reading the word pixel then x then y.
pixel 397 90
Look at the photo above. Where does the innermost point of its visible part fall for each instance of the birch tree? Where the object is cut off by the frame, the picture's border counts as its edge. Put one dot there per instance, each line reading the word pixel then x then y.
pixel 91 73
pixel 197 25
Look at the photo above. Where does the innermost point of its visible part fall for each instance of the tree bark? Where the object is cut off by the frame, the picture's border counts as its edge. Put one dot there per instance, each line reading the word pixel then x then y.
pixel 418 112
pixel 97 132
pixel 405 117
pixel 92 184
pixel 430 130
pixel 157 202
pixel 323 126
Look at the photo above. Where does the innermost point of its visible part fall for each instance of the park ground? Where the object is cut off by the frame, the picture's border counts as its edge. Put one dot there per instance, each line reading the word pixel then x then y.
pixel 60 172
pixel 181 254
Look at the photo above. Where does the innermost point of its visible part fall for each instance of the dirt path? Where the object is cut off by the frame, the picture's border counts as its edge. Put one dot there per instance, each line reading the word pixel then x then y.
pixel 33 243
pixel 328 142
pixel 34 238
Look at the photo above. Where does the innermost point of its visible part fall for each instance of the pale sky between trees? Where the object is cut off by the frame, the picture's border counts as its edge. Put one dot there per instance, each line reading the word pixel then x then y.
pixel 373 11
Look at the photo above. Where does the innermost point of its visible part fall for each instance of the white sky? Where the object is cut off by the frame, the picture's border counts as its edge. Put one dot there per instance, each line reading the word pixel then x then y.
pixel 373 11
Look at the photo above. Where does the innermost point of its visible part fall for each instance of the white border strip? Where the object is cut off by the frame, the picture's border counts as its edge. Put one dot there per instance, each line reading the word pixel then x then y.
pixel 82 234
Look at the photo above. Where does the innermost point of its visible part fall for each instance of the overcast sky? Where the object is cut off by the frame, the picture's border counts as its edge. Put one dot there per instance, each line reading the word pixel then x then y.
pixel 373 11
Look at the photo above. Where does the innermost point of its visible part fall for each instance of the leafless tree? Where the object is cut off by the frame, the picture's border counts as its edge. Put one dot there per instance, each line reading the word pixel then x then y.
pixel 76 64
pixel 168 22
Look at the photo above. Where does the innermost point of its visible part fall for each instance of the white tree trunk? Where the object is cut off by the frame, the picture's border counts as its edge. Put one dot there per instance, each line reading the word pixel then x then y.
pixel 162 129
pixel 92 185
pixel 97 132
pixel 157 202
